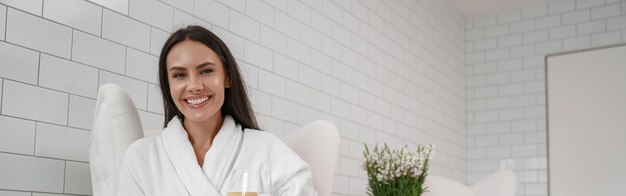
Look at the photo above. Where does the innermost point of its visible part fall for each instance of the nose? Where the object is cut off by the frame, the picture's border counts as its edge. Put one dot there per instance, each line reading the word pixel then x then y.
pixel 195 84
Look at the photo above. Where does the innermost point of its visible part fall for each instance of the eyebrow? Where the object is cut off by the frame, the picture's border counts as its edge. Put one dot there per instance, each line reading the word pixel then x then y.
pixel 197 66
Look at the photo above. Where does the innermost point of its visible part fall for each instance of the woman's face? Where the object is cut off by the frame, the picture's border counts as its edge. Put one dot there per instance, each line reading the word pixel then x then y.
pixel 197 80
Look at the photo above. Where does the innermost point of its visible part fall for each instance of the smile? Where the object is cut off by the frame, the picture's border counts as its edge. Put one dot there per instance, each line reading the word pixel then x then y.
pixel 197 101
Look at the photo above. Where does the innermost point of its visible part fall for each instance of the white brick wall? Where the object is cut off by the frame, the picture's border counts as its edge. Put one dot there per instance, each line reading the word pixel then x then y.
pixel 505 105
pixel 382 71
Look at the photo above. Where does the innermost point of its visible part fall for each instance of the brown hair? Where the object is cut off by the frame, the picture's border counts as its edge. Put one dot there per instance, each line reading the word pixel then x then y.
pixel 236 102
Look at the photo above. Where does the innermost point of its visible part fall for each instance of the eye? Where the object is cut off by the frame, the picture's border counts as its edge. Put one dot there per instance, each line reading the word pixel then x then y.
pixel 206 71
pixel 179 75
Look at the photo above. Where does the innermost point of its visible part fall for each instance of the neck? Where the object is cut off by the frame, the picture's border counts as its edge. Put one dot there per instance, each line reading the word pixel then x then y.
pixel 201 134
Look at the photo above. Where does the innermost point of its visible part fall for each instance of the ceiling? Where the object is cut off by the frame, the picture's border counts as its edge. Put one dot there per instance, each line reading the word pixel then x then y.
pixel 473 8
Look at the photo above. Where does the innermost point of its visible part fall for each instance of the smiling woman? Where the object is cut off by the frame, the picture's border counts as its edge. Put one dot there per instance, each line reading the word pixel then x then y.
pixel 210 129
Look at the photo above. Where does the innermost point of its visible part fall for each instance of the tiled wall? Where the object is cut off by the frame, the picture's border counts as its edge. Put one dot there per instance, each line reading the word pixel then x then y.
pixel 506 95
pixel 383 71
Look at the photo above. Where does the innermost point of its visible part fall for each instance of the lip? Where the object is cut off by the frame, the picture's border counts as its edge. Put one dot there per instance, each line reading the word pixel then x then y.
pixel 198 105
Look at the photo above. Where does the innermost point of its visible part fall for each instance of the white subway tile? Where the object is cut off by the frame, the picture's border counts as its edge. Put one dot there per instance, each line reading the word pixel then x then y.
pixel 523 100
pixel 486 116
pixel 511 114
pixel 473 58
pixel 36 33
pixel 239 5
pixel 157 39
pixel 476 154
pixel 508 17
pixel 487 140
pixel 243 25
pixel 536 163
pixel 261 102
pixel 576 17
pixel 534 87
pixel 557 7
pixel 31 173
pixel 75 13
pixel 475 81
pixel 486 44
pixel 33 6
pixel 498 54
pixel 523 76
pixel 182 19
pixel 155 100
pixel 582 4
pixel 549 47
pixel 496 31
pixel 606 11
pixel 590 27
pixel 3 20
pixel 309 77
pixel 285 67
pixel 562 32
pixel 98 52
pixel 298 51
pixel 333 11
pixel 14 193
pixel 498 152
pixel 523 26
pixel 150 121
pixel 17 135
pixel 498 103
pixel 484 21
pixel 535 36
pixel 299 11
pixel 321 23
pixel 137 90
pixel 185 5
pixel 319 101
pixel 522 51
pixel 250 74
pixel 142 66
pixel 509 41
pixel 616 23
pixel 548 22
pixel 1 84
pixel 81 112
pixel 486 68
pixel 152 12
pixel 272 125
pixel 62 142
pixel 535 11
pixel 524 126
pixel 474 34
pixel 260 11
pixel 35 103
pixel 271 83
pixel 258 55
pixel 311 37
pixel 77 178
pixel 577 43
pixel 286 24
pixel 296 92
pixel 525 150
pixel 512 139
pixel 285 110
pixel 67 76
pixel 18 63
pixel 501 78
pixel 498 128
pixel 605 39
pixel 124 30
pixel 235 43
pixel 212 11
pixel 120 6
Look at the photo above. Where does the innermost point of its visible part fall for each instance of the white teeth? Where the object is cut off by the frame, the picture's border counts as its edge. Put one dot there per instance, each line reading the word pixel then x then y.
pixel 196 101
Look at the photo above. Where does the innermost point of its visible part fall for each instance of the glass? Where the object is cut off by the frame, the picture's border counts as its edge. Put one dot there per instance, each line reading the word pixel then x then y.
pixel 249 183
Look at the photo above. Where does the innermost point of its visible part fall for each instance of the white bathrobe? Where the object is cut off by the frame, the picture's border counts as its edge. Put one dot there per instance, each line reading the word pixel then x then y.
pixel 166 164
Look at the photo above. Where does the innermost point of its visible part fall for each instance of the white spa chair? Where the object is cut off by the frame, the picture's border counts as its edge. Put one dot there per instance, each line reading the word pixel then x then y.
pixel 499 183
pixel 116 125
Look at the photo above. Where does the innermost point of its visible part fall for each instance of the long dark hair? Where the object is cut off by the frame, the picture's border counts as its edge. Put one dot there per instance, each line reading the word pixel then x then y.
pixel 236 102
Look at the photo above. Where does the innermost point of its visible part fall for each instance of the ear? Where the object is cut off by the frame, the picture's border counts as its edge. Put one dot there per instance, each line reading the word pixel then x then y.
pixel 227 83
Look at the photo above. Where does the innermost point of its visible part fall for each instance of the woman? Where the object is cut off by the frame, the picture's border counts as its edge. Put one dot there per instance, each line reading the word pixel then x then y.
pixel 210 129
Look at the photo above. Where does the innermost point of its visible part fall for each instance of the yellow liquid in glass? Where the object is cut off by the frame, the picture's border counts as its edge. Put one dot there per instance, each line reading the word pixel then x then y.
pixel 241 194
